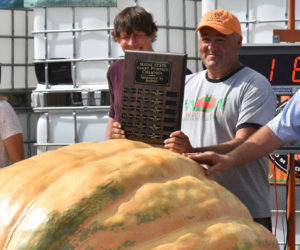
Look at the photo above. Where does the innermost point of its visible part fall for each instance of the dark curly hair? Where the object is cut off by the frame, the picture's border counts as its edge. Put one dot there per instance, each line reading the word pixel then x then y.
pixel 133 18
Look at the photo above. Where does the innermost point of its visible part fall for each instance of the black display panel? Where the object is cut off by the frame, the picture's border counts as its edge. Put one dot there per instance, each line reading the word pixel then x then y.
pixel 278 63
pixel 279 69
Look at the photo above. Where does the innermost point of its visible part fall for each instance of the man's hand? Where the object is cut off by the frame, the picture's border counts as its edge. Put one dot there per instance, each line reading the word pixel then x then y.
pixel 217 162
pixel 179 143
pixel 117 132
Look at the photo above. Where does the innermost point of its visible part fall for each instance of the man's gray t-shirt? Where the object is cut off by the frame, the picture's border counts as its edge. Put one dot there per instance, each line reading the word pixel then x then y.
pixel 212 113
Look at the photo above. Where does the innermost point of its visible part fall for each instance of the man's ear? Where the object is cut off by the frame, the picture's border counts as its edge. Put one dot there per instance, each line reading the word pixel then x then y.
pixel 239 40
pixel 153 37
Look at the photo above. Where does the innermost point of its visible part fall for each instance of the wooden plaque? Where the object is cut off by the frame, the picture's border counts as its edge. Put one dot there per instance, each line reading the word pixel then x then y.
pixel 152 97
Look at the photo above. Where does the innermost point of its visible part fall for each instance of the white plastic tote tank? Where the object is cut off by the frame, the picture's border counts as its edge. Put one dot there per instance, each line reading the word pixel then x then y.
pixel 72 99
pixel 16 54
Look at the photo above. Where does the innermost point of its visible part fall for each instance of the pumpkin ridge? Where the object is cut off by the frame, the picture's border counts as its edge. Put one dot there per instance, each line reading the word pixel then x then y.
pixel 11 233
pixel 139 186
pixel 55 238
pixel 186 232
pixel 149 215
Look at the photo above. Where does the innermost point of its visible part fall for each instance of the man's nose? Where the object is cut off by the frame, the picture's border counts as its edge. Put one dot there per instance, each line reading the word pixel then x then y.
pixel 212 44
pixel 132 39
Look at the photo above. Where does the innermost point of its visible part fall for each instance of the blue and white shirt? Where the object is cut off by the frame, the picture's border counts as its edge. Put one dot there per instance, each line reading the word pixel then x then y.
pixel 286 125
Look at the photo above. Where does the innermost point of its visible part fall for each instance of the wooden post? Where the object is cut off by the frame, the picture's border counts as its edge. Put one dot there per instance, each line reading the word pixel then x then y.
pixel 291 20
pixel 291 207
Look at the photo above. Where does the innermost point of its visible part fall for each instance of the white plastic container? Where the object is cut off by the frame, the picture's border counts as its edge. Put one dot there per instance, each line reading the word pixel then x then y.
pixel 16 54
pixel 88 47
pixel 62 128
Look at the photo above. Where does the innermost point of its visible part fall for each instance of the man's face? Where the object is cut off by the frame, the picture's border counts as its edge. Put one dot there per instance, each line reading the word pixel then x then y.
pixel 218 51
pixel 137 40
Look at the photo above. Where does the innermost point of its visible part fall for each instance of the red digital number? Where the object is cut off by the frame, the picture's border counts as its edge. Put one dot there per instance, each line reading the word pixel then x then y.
pixel 296 69
pixel 272 70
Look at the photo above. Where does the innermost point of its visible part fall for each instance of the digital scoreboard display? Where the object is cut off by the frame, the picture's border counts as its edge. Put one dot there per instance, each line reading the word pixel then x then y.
pixel 279 63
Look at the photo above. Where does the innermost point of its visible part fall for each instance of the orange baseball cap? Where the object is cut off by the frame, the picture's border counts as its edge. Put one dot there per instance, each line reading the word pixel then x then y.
pixel 221 20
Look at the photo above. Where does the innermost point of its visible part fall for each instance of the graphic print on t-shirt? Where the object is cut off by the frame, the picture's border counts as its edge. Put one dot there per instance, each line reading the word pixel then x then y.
pixel 204 107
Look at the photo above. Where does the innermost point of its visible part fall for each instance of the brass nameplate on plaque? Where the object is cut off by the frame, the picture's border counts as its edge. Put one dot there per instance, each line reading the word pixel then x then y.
pixel 152 96
pixel 152 72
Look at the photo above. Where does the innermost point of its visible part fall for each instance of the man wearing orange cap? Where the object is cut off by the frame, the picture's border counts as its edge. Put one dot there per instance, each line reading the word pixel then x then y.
pixel 223 106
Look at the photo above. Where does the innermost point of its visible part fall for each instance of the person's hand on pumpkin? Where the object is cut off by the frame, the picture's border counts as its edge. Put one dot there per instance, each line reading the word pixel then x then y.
pixel 178 142
pixel 217 162
pixel 117 132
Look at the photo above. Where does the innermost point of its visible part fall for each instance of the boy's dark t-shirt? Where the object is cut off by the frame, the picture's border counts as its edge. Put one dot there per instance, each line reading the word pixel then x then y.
pixel 115 79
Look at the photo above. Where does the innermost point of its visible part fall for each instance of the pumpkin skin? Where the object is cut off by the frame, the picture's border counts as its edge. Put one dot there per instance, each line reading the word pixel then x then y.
pixel 120 194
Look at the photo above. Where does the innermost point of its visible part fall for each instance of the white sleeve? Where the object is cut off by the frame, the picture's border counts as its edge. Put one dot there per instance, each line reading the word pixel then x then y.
pixel 9 122
pixel 286 125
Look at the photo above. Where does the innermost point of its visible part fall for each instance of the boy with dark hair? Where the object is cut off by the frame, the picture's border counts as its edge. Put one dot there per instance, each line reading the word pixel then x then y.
pixel 134 29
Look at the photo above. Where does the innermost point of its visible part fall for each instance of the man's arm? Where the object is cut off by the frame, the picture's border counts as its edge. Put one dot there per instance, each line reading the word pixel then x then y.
pixel 241 135
pixel 258 145
pixel 14 147
pixel 179 142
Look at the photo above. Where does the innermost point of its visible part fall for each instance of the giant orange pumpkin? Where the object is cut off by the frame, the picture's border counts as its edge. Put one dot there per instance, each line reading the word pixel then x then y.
pixel 120 194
